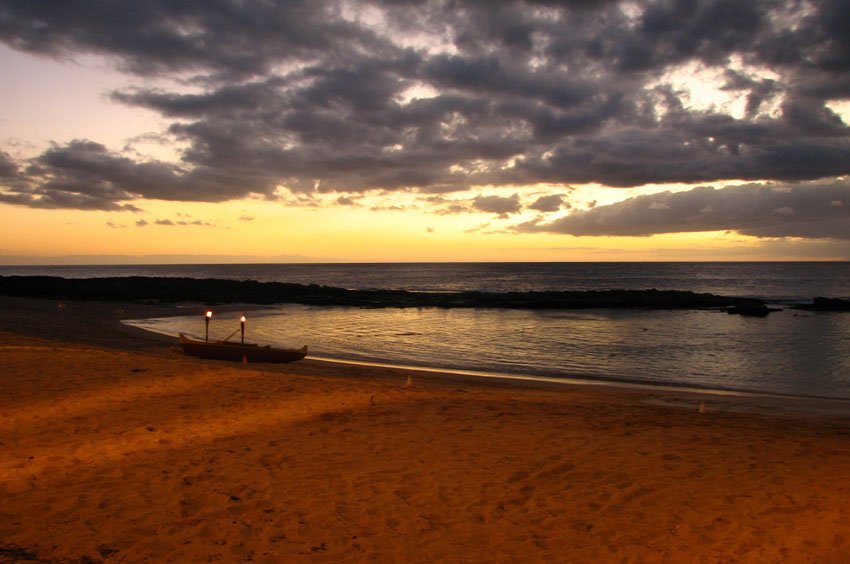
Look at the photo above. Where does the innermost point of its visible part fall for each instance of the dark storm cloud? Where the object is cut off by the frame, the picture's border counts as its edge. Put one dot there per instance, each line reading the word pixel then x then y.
pixel 435 97
pixel 86 175
pixel 8 168
pixel 811 210
pixel 222 37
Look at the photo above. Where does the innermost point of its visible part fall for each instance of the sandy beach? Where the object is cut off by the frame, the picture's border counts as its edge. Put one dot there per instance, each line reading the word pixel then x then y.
pixel 115 447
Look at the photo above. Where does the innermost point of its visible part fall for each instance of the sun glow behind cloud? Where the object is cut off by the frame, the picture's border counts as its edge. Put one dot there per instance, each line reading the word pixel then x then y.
pixel 707 88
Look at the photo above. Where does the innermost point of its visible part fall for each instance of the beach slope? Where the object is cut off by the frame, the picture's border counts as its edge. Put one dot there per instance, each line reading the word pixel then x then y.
pixel 113 448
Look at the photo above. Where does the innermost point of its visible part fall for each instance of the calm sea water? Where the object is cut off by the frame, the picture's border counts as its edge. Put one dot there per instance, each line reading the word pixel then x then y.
pixel 788 352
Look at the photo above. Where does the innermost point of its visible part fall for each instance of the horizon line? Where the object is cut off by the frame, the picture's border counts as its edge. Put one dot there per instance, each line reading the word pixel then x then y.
pixel 326 262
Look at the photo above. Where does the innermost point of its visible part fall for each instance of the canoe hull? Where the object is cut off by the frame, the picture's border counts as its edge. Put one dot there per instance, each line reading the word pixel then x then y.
pixel 237 352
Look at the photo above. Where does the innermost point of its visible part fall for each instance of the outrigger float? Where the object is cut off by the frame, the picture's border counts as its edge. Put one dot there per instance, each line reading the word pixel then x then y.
pixel 239 352
pixel 236 352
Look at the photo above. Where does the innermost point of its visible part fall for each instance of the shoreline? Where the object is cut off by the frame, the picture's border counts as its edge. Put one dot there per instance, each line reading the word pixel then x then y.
pixel 105 326
pixel 840 405
pixel 115 447
pixel 601 380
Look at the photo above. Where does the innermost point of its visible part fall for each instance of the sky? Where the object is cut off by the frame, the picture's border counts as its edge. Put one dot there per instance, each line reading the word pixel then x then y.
pixel 394 130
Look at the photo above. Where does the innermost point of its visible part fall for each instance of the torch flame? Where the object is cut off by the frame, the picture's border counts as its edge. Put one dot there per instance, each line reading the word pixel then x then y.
pixel 243 319
pixel 209 314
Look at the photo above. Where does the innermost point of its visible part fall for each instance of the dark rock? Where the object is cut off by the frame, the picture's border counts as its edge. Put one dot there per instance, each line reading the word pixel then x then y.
pixel 827 304
pixel 750 309
pixel 173 290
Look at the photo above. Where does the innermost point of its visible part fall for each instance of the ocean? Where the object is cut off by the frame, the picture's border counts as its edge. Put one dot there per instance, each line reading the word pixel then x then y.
pixel 789 352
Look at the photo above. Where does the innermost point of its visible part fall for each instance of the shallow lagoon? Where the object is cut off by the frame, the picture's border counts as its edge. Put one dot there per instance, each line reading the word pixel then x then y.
pixel 788 352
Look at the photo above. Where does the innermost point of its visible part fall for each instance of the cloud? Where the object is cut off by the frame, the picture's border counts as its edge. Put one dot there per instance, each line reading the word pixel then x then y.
pixel 320 96
pixel 8 168
pixel 454 209
pixel 246 218
pixel 388 208
pixel 550 203
pixel 478 228
pixel 801 210
pixel 499 205
pixel 184 223
pixel 86 175
pixel 157 37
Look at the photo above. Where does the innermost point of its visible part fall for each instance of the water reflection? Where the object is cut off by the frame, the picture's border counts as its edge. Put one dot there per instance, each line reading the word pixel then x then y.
pixel 787 352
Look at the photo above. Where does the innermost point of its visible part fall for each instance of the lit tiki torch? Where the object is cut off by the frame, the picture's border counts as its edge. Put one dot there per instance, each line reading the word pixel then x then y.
pixel 207 323
pixel 242 322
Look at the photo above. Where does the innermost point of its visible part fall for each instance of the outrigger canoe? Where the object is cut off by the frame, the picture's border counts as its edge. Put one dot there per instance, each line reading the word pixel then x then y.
pixel 239 352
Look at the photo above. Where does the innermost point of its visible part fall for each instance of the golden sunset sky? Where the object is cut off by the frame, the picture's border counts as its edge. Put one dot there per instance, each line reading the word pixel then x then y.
pixel 346 131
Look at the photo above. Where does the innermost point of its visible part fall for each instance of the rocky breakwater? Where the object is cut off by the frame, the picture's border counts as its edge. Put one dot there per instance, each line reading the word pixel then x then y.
pixel 751 309
pixel 213 291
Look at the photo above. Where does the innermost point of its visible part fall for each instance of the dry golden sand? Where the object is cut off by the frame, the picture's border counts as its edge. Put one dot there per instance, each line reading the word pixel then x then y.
pixel 145 455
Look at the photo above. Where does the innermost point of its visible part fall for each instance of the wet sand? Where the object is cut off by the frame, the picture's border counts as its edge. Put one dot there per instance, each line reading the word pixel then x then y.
pixel 115 447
